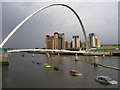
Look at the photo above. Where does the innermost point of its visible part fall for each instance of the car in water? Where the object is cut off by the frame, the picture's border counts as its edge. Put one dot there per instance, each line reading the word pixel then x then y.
pixel 75 73
pixel 46 65
pixel 106 80
pixel 56 68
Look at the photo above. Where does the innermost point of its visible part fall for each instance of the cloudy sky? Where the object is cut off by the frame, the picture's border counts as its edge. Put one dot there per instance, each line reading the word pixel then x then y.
pixel 98 17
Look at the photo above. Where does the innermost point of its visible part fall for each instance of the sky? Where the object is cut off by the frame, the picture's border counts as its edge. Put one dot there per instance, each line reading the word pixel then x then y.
pixel 97 17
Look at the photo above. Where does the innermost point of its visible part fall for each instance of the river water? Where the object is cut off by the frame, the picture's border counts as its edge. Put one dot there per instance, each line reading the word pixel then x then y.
pixel 23 72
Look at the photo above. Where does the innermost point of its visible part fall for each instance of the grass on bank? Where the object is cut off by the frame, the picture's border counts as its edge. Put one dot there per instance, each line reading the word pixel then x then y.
pixel 108 48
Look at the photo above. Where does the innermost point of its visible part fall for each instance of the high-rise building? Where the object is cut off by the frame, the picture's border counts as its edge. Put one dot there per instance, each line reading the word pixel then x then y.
pixel 55 38
pixel 98 44
pixel 50 42
pixel 82 45
pixel 63 41
pixel 47 42
pixel 68 45
pixel 75 42
pixel 57 41
pixel 94 41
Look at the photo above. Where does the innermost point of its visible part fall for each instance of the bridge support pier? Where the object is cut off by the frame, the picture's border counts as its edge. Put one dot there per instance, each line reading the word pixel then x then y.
pixel 4 58
pixel 96 62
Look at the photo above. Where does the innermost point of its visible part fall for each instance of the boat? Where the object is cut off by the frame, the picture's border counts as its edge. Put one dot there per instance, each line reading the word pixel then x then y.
pixel 56 68
pixel 46 65
pixel 38 63
pixel 32 61
pixel 75 73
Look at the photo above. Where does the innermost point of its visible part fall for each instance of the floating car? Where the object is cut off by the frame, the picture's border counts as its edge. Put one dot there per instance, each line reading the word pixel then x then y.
pixel 37 63
pixel 106 80
pixel 75 73
pixel 46 65
pixel 56 68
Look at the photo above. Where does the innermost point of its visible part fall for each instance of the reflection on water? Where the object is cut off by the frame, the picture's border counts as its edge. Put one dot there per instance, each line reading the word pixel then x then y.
pixel 5 68
pixel 23 73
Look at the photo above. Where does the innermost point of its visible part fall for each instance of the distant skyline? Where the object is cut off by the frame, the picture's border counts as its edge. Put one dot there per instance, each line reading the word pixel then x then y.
pixel 98 17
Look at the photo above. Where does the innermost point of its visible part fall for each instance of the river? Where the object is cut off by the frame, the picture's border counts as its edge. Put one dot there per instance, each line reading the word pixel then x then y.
pixel 23 72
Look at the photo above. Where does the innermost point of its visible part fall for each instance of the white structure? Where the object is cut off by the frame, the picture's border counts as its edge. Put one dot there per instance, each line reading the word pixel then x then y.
pixel 76 42
pixel 98 44
pixel 92 40
pixel 73 43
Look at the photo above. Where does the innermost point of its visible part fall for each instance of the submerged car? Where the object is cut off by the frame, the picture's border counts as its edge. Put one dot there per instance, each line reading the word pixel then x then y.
pixel 106 80
pixel 46 65
pixel 56 68
pixel 75 73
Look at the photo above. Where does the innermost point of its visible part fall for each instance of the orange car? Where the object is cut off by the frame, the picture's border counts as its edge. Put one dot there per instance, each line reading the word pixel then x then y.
pixel 75 73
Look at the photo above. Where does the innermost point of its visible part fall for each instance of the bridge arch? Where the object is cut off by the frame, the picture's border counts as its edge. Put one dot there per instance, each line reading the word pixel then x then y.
pixel 27 18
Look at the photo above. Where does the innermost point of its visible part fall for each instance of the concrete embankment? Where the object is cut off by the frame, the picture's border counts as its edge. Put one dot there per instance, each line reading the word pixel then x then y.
pixel 116 68
pixel 97 53
pixel 82 53
pixel 116 53
pixel 4 58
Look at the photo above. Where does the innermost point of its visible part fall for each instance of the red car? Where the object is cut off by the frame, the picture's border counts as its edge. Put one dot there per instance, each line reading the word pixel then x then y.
pixel 75 73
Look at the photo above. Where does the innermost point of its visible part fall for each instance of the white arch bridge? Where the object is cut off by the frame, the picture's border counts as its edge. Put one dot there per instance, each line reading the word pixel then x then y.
pixel 31 15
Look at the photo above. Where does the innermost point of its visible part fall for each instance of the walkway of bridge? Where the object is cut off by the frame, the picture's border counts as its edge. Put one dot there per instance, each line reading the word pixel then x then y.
pixel 87 53
pixel 44 50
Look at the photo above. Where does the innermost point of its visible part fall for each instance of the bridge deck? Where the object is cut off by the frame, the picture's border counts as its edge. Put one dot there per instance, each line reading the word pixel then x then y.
pixel 60 51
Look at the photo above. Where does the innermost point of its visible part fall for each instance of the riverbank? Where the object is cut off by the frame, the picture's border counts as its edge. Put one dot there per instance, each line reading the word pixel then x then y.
pixel 108 48
pixel 4 58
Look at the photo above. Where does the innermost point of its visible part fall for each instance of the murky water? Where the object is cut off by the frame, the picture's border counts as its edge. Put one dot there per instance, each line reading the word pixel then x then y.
pixel 23 72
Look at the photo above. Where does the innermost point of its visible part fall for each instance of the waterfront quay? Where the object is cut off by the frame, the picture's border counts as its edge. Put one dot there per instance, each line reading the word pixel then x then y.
pixel 4 58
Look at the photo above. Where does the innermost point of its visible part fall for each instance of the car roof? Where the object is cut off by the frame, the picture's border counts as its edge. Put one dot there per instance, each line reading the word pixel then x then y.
pixel 74 70
pixel 104 76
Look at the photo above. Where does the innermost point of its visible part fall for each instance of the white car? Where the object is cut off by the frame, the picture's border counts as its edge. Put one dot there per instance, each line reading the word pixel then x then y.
pixel 106 80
